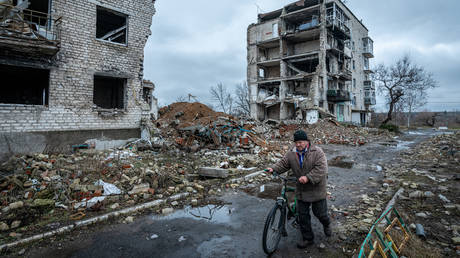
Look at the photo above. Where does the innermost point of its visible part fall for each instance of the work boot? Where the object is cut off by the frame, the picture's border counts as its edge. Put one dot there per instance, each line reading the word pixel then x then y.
pixel 327 230
pixel 304 243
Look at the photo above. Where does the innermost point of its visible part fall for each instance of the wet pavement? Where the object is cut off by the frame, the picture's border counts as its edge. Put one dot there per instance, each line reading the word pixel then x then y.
pixel 234 228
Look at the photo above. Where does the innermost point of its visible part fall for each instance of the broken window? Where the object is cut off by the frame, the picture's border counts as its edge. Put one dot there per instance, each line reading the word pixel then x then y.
pixel 22 85
pixel 109 92
pixel 111 26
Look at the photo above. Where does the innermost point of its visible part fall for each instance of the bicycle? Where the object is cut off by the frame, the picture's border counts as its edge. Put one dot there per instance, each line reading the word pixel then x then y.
pixel 275 223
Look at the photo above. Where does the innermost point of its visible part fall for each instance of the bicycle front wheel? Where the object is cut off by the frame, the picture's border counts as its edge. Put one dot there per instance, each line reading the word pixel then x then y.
pixel 272 230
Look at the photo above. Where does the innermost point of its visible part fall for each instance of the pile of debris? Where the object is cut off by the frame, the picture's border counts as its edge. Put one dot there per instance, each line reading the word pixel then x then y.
pixel 195 126
pixel 430 175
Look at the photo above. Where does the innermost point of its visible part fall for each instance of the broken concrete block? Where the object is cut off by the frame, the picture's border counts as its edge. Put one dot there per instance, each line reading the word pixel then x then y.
pixel 43 202
pixel 213 172
pixel 167 210
pixel 114 206
pixel 129 219
pixel 15 224
pixel 142 188
pixel 4 226
pixel 16 205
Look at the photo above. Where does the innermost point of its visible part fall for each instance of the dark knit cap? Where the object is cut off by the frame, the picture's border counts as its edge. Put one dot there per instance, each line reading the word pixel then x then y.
pixel 300 135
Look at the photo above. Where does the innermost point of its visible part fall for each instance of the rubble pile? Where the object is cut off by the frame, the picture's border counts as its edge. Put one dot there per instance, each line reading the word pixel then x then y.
pixel 328 131
pixel 196 126
pixel 193 149
pixel 430 175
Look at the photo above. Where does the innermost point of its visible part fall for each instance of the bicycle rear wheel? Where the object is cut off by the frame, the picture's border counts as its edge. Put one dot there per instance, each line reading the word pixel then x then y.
pixel 272 230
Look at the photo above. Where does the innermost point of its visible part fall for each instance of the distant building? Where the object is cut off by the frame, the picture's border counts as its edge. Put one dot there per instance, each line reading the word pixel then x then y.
pixel 72 71
pixel 308 58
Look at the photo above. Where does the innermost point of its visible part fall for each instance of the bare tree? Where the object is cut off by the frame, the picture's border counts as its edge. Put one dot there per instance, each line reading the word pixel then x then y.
pixel 242 99
pixel 394 82
pixel 222 98
pixel 412 101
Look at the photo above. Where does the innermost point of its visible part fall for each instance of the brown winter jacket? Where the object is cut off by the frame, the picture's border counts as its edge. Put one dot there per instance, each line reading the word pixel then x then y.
pixel 314 167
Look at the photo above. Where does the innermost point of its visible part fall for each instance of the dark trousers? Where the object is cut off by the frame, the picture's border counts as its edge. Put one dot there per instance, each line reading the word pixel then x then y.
pixel 319 209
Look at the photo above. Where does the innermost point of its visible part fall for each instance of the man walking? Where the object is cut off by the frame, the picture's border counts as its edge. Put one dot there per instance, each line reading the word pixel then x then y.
pixel 309 165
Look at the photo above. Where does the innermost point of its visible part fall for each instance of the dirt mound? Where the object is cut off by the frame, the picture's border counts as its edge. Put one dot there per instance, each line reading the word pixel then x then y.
pixel 189 113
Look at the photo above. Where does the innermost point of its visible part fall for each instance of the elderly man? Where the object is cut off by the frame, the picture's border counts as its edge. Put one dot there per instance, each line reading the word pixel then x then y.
pixel 309 165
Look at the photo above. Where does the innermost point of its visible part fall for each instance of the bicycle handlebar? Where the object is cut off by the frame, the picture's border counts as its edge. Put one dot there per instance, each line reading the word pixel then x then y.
pixel 287 179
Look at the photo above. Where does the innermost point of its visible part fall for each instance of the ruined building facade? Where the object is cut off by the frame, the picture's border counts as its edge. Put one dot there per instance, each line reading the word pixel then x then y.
pixel 310 58
pixel 72 71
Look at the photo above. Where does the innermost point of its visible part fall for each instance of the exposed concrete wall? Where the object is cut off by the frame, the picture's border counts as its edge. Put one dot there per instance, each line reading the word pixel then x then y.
pixel 305 47
pixel 12 143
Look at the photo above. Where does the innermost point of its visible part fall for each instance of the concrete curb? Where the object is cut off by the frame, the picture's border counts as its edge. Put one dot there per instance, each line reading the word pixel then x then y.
pixel 247 177
pixel 392 202
pixel 94 220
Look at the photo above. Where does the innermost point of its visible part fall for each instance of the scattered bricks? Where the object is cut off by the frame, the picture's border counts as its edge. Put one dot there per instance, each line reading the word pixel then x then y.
pixel 213 172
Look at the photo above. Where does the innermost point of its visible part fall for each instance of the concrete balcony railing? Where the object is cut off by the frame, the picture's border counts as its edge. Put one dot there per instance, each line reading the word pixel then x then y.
pixel 30 32
pixel 338 95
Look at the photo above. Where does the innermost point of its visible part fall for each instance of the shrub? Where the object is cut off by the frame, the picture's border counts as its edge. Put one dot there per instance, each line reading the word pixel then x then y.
pixel 390 127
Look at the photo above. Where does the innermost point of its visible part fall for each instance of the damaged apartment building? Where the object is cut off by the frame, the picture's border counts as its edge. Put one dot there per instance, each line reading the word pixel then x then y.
pixel 310 59
pixel 72 71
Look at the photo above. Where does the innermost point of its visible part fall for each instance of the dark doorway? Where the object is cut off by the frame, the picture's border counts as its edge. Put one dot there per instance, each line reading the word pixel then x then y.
pixel 109 92
pixel 23 85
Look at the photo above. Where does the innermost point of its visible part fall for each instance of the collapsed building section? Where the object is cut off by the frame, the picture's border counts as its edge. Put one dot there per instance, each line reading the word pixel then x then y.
pixel 309 58
pixel 72 71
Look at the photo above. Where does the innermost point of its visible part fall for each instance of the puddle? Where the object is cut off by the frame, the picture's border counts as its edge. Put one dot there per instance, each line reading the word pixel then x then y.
pixel 403 145
pixel 211 213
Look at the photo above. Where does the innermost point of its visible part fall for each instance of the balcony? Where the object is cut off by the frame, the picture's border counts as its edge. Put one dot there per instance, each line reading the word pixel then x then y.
pixel 368 47
pixel 367 68
pixel 338 95
pixel 337 21
pixel 369 101
pixel 28 32
pixel 369 85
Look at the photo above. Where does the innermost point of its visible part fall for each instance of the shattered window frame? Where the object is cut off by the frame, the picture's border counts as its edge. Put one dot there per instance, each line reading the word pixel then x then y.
pixel 112 35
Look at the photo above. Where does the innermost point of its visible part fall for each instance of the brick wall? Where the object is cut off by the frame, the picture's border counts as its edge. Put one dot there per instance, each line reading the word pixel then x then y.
pixel 81 57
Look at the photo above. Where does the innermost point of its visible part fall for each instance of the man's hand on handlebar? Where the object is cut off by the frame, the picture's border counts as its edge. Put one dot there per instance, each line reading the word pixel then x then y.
pixel 303 179
pixel 268 170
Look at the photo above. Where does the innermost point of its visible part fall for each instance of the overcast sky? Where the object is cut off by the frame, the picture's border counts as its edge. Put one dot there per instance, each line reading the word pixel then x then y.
pixel 196 44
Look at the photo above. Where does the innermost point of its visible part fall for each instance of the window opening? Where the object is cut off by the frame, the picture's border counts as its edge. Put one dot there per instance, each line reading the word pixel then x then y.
pixel 111 26
pixel 109 92
pixel 23 85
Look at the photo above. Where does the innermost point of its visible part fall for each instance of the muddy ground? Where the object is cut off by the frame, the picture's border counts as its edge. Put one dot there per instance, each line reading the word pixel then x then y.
pixel 231 226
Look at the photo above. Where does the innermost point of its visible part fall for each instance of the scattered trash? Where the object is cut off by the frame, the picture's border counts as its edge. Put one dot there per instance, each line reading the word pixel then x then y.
pixel 420 231
pixel 109 189
pixel 154 236
pixel 181 238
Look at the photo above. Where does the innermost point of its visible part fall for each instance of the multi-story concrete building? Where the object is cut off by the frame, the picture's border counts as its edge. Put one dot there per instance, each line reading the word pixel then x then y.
pixel 72 71
pixel 309 58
